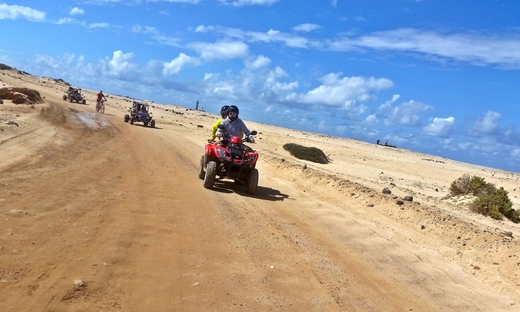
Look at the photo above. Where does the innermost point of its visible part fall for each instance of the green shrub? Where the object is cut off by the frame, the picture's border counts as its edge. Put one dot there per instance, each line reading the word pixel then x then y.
pixel 490 201
pixel 473 185
pixel 306 153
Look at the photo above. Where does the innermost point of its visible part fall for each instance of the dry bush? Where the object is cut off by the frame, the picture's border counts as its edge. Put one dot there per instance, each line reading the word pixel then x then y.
pixel 21 95
pixel 5 67
pixel 306 153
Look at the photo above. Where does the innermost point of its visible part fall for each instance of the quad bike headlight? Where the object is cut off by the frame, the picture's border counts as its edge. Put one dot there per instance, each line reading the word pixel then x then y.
pixel 251 159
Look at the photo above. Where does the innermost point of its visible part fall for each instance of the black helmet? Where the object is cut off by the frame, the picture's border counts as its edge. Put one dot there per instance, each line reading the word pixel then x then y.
pixel 233 109
pixel 224 111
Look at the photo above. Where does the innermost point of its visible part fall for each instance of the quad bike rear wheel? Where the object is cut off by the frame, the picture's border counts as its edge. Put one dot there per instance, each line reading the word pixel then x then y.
pixel 152 123
pixel 201 168
pixel 253 182
pixel 132 120
pixel 211 172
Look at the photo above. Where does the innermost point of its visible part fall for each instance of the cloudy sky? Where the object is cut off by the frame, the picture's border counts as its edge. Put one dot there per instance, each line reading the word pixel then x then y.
pixel 434 76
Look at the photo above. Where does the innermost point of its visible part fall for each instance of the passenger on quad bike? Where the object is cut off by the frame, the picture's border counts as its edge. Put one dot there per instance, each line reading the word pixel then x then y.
pixel 100 96
pixel 223 114
pixel 233 126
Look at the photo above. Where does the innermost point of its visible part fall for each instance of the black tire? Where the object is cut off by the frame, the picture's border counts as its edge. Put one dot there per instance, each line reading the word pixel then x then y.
pixel 126 118
pixel 132 120
pixel 70 100
pixel 84 102
pixel 201 168
pixel 253 182
pixel 211 172
pixel 102 108
pixel 64 97
pixel 152 123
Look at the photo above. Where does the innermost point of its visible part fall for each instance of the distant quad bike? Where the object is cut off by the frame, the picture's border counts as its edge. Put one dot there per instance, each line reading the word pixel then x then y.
pixel 74 95
pixel 139 112
pixel 230 159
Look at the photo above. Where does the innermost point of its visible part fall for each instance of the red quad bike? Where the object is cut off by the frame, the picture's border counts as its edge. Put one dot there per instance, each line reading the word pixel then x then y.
pixel 230 160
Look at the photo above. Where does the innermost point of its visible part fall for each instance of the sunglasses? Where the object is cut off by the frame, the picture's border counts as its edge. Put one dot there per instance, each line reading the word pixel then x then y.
pixel 232 114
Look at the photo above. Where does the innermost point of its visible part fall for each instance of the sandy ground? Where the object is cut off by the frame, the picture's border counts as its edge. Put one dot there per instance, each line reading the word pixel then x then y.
pixel 100 215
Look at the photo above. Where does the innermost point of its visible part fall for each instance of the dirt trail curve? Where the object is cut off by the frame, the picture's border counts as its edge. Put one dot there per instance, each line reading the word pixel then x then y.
pixel 120 208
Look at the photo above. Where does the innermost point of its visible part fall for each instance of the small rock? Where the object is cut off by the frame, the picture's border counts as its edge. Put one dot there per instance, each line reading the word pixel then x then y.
pixel 408 198
pixel 370 205
pixel 387 191
pixel 399 202
pixel 79 283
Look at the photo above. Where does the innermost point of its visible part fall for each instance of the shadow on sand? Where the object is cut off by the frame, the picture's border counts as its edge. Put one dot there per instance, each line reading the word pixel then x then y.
pixel 265 193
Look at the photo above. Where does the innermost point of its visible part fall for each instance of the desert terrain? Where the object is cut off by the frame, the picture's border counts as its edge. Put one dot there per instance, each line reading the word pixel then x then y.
pixel 100 215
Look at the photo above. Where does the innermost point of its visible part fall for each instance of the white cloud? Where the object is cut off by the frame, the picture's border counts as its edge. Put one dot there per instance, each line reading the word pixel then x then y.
pixel 99 25
pixel 440 127
pixel 119 65
pixel 221 50
pixel 175 65
pixel 76 11
pixel 240 3
pixel 68 20
pixel 407 113
pixel 306 27
pixel 501 50
pixel 176 1
pixel 155 34
pixel 259 62
pixel 488 124
pixel 371 119
pixel 344 92
pixel 271 35
pixel 516 154
pixel 16 11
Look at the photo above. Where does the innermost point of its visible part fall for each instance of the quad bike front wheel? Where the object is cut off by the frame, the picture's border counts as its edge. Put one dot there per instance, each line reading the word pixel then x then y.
pixel 152 123
pixel 201 168
pixel 132 120
pixel 126 118
pixel 211 172
pixel 253 182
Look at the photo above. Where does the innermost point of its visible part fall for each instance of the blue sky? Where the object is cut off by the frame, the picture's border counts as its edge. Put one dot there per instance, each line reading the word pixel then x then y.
pixel 434 76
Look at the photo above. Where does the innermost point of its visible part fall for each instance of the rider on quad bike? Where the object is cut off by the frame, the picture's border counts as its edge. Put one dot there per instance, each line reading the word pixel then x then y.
pixel 233 126
pixel 230 158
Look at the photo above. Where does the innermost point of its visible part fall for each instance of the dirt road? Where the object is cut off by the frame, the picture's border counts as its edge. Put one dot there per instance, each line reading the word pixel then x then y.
pixel 104 216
